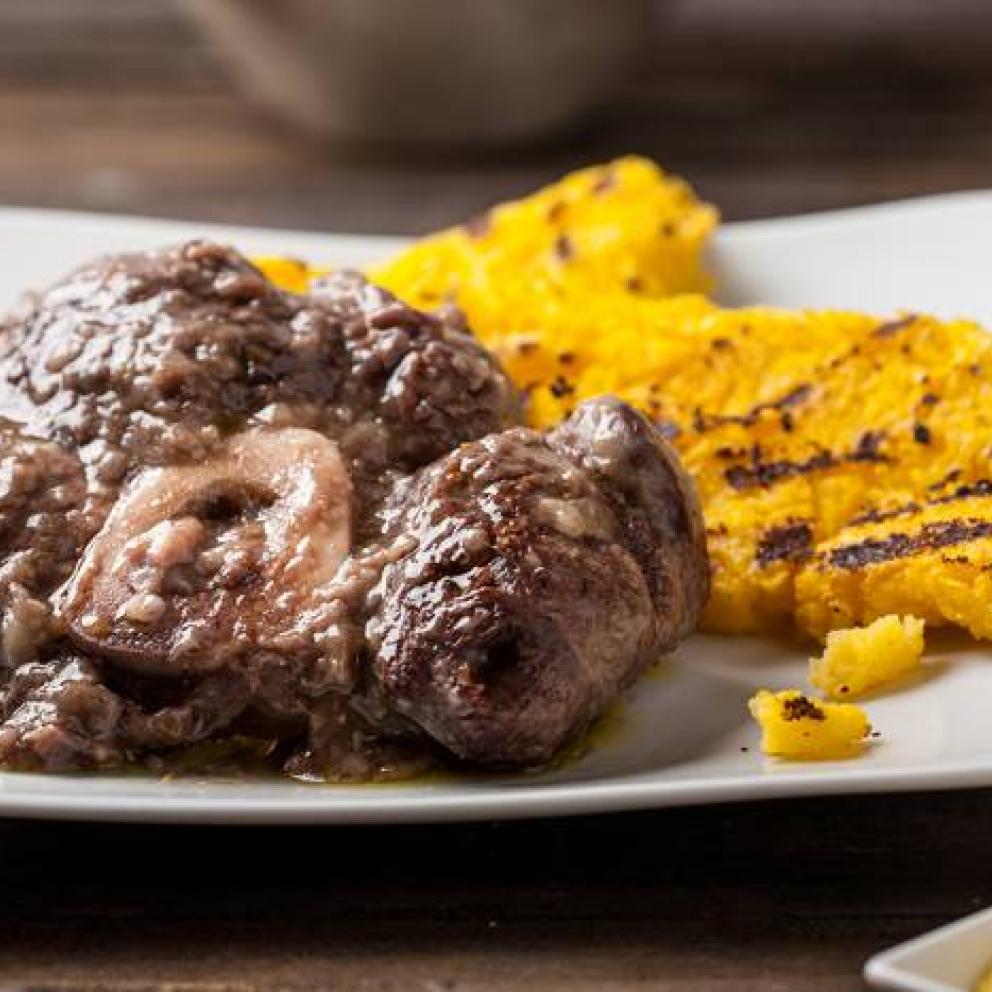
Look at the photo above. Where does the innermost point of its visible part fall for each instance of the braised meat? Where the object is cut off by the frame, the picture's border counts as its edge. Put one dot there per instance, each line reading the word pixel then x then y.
pixel 549 570
pixel 44 526
pixel 230 511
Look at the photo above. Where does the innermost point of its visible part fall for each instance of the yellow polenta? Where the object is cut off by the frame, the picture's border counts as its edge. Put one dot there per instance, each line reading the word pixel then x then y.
pixel 858 659
pixel 625 227
pixel 290 273
pixel 842 459
pixel 797 727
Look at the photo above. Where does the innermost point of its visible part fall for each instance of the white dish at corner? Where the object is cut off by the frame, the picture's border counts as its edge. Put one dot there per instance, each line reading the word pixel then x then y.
pixel 685 737
pixel 950 959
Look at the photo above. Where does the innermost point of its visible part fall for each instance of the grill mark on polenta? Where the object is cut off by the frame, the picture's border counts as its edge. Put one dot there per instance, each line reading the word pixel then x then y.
pixel 892 327
pixel 867 448
pixel 479 226
pixel 791 399
pixel 791 541
pixel 866 346
pixel 764 474
pixel 952 476
pixel 563 248
pixel 703 422
pixel 876 516
pixel 802 708
pixel 980 489
pixel 931 537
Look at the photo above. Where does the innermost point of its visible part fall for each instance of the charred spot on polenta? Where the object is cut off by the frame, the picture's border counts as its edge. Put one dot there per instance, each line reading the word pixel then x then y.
pixel 791 541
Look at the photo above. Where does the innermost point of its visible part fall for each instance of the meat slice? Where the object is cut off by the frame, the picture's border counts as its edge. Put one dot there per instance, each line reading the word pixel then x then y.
pixel 59 716
pixel 423 380
pixel 550 570
pixel 641 476
pixel 44 525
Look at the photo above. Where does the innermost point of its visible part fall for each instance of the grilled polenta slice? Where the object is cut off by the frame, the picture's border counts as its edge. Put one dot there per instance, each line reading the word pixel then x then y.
pixel 934 561
pixel 793 425
pixel 858 445
pixel 622 228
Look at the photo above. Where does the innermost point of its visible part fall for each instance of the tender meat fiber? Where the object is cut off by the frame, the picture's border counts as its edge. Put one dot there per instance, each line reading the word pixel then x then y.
pixel 227 511
pixel 550 570
pixel 59 716
pixel 44 525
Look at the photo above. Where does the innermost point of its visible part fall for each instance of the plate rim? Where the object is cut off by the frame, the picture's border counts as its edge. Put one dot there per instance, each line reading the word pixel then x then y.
pixel 885 969
pixel 372 804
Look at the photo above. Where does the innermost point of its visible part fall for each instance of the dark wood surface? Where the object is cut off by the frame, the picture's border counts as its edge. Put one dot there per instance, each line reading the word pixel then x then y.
pixel 779 896
pixel 115 105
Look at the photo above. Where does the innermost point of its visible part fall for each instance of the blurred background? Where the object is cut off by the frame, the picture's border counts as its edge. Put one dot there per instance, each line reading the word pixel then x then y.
pixel 398 116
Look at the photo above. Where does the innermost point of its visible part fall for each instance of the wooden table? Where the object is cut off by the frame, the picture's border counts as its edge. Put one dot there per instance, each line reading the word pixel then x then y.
pixel 113 104
pixel 789 896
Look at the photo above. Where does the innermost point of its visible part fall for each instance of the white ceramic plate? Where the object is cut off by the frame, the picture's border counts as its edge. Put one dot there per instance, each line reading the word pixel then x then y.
pixel 684 736
pixel 950 959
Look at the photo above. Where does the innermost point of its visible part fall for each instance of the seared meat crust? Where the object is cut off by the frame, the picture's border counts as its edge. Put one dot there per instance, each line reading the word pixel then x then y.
pixel 549 571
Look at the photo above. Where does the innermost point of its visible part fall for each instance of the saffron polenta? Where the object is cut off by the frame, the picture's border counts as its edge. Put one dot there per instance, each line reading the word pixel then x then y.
pixel 799 728
pixel 859 659
pixel 626 227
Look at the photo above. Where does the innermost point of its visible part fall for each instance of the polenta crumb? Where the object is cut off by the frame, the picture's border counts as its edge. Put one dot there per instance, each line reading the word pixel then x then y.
pixel 287 273
pixel 984 983
pixel 857 659
pixel 797 727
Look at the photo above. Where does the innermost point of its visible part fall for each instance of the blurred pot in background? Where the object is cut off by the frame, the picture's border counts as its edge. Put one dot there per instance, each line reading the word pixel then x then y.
pixel 443 72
